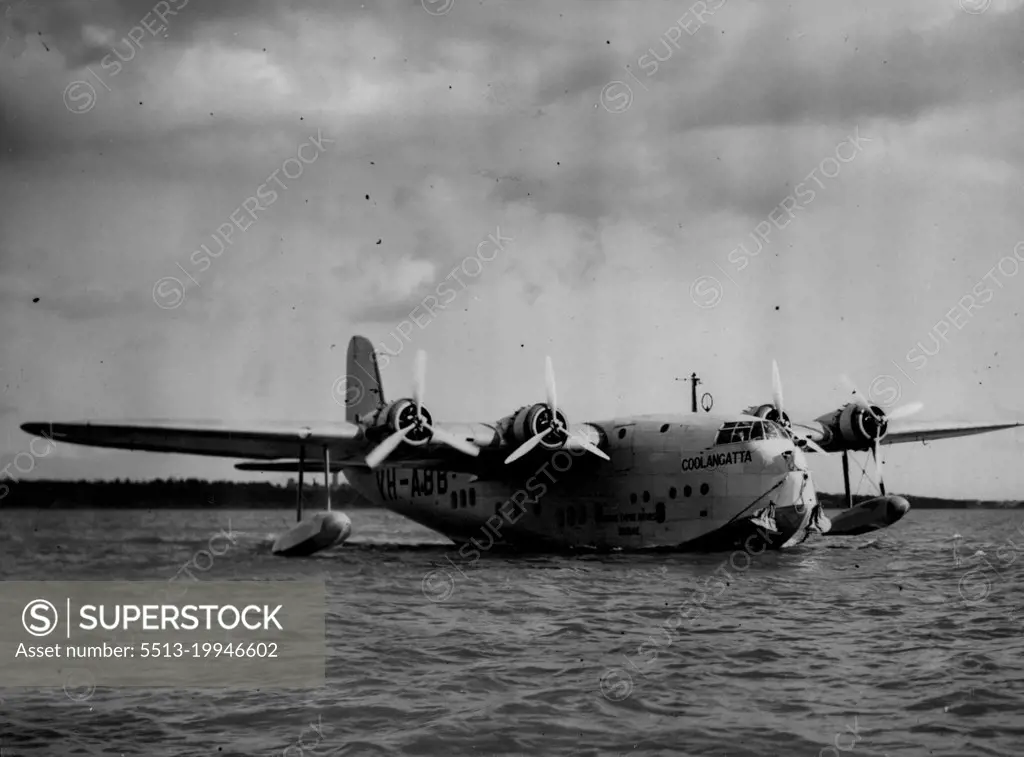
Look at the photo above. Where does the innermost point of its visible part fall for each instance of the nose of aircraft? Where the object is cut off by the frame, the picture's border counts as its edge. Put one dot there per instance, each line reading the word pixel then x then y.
pixel 794 457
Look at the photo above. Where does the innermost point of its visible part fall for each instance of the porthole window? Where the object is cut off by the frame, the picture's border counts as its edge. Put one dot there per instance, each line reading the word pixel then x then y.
pixel 647 496
pixel 672 493
pixel 571 516
pixel 455 500
pixel 704 488
pixel 664 428
pixel 622 433
pixel 462 497
pixel 687 490
pixel 659 512
pixel 632 499
pixel 472 497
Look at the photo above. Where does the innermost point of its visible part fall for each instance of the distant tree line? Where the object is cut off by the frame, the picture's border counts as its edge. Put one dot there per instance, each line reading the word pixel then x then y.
pixel 174 493
pixel 838 501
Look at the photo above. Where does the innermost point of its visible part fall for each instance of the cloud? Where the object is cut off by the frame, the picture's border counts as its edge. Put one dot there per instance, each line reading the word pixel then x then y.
pixel 447 128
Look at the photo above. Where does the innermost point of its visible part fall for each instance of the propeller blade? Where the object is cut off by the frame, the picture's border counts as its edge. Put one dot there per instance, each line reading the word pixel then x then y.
pixel 905 411
pixel 446 437
pixel 876 452
pixel 526 446
pixel 549 384
pixel 379 453
pixel 777 388
pixel 419 379
pixel 592 448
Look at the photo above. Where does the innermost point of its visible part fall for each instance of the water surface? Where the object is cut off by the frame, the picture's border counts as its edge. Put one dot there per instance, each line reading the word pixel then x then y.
pixel 894 643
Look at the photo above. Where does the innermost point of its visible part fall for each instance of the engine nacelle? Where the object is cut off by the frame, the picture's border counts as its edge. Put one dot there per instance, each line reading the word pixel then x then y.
pixel 768 412
pixel 853 427
pixel 529 421
pixel 402 413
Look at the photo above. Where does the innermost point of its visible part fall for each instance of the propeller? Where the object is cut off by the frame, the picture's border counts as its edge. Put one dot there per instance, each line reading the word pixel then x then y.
pixel 777 401
pixel 420 423
pixel 903 411
pixel 556 426
pixel 777 389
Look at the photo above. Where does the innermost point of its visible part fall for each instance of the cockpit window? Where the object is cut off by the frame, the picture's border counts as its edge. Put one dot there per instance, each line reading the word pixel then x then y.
pixel 736 432
pixel 741 433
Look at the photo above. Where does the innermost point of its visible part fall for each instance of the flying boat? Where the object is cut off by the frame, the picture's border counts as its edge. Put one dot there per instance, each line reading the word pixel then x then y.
pixel 534 481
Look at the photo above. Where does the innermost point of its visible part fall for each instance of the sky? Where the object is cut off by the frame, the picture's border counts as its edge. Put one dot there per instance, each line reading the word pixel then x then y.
pixel 631 158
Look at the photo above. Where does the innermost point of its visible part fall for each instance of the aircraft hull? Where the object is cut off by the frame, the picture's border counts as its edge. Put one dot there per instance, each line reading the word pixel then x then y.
pixel 771 510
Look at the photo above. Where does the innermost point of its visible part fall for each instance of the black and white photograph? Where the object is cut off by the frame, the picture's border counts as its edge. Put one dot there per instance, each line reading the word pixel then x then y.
pixel 565 378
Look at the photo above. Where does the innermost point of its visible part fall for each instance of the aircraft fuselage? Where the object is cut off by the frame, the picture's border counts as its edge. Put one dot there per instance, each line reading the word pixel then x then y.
pixel 668 485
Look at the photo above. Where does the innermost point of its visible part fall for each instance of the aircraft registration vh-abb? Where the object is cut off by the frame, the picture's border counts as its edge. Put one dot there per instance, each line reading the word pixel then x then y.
pixel 533 481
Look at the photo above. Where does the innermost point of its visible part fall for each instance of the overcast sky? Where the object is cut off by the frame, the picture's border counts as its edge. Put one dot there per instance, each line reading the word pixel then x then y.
pixel 625 182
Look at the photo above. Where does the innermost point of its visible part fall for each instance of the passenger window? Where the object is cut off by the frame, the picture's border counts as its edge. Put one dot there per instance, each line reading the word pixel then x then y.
pixel 472 497
pixel 462 498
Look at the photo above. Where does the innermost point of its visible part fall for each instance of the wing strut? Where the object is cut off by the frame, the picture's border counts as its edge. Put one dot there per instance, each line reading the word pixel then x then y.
pixel 327 473
pixel 298 490
pixel 846 479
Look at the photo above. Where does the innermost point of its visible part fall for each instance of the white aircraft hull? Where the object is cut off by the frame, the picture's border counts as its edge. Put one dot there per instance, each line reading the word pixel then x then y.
pixel 604 514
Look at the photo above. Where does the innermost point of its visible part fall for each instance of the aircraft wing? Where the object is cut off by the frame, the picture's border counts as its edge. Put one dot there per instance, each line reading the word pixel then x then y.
pixel 347 443
pixel 901 431
pixel 265 441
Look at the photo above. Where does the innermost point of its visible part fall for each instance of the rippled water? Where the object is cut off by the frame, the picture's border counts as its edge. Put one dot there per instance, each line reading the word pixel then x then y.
pixel 901 643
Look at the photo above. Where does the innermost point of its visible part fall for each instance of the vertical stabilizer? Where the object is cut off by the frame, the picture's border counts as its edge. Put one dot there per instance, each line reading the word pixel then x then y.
pixel 363 390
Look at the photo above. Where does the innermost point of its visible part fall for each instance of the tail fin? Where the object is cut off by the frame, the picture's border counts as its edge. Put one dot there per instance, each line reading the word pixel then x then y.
pixel 363 391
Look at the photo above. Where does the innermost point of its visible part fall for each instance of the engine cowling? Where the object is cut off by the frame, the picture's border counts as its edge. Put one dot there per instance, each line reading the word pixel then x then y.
pixel 853 427
pixel 529 421
pixel 401 414
pixel 768 412
pixel 858 426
